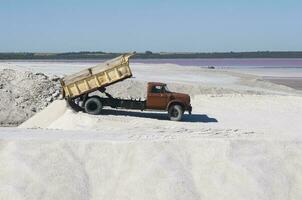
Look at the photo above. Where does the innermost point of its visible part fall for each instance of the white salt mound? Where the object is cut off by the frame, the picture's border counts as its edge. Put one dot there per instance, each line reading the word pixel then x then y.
pixel 199 168
pixel 24 93
pixel 45 117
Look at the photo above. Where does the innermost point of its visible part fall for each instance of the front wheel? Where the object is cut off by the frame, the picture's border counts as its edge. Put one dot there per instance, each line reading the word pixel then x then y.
pixel 93 106
pixel 175 112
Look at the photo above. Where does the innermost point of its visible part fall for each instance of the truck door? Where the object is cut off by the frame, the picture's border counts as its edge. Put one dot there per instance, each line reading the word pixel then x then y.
pixel 157 98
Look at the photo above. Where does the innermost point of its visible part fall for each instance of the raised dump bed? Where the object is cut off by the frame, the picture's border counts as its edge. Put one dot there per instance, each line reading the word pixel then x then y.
pixel 94 78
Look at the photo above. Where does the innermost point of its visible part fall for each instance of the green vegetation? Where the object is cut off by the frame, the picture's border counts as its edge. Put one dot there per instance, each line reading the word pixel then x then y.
pixel 151 55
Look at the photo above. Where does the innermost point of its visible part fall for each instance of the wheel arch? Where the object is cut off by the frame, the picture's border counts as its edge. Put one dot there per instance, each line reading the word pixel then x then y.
pixel 93 96
pixel 175 102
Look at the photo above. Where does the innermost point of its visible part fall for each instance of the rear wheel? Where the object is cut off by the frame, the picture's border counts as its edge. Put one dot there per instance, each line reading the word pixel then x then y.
pixel 93 106
pixel 175 112
pixel 72 104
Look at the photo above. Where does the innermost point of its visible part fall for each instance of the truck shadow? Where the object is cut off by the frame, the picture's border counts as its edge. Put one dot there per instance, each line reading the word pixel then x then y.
pixel 161 116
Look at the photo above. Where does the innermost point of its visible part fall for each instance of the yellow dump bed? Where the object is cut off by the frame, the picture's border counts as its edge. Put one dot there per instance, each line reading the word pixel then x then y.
pixel 93 78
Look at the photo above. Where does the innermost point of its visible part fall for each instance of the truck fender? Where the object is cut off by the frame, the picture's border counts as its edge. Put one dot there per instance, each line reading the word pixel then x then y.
pixel 175 102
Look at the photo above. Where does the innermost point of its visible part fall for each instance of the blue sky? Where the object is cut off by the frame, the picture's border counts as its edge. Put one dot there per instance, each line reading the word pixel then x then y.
pixel 137 25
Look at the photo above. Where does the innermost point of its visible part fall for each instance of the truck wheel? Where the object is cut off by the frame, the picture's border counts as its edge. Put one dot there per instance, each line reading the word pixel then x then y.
pixel 93 106
pixel 175 112
pixel 72 104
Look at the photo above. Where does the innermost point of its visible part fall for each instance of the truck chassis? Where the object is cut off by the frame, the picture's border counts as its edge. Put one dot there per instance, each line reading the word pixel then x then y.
pixel 94 105
pixel 132 104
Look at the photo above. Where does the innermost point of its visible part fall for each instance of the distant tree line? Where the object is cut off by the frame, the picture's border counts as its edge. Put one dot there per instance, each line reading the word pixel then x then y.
pixel 152 55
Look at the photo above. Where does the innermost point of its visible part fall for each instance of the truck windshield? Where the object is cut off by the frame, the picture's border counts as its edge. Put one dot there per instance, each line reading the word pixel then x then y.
pixel 165 88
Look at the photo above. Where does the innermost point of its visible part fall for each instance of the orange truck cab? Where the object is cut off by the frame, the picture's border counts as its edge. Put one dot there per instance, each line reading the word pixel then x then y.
pixel 159 97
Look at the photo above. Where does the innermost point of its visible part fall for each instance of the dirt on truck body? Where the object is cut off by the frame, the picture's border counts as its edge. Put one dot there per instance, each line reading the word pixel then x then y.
pixel 77 89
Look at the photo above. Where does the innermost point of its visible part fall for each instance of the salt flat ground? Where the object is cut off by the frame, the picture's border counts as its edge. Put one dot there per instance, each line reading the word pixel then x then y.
pixel 243 141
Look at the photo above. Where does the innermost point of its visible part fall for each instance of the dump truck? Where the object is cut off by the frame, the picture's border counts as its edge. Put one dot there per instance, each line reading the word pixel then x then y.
pixel 78 90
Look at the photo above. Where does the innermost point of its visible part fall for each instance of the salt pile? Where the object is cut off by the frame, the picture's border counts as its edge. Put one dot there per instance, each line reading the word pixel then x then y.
pixel 24 93
pixel 45 117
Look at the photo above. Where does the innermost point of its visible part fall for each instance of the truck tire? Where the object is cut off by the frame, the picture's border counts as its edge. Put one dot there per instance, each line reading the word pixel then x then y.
pixel 73 105
pixel 175 112
pixel 93 106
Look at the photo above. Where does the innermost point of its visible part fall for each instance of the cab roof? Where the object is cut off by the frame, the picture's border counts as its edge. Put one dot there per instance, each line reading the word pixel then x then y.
pixel 156 83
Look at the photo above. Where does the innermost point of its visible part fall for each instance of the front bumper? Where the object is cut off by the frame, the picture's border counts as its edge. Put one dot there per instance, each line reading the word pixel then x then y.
pixel 189 109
